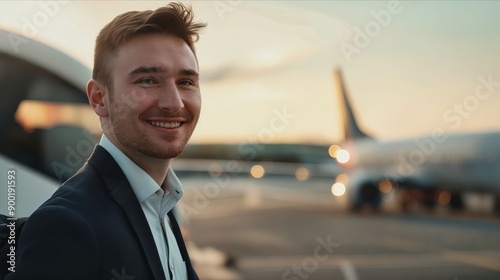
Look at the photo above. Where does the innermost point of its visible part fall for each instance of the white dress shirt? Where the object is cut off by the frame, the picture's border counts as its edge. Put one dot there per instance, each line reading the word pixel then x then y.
pixel 156 204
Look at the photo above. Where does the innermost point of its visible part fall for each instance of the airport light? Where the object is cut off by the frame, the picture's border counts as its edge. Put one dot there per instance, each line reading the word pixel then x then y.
pixel 215 170
pixel 338 189
pixel 342 156
pixel 257 171
pixel 444 198
pixel 342 178
pixel 333 149
pixel 302 173
pixel 385 186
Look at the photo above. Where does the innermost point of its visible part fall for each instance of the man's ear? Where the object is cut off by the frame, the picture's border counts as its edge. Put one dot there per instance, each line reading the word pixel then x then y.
pixel 96 93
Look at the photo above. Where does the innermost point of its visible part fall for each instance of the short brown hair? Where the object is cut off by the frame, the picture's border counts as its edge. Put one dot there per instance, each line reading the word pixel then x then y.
pixel 174 19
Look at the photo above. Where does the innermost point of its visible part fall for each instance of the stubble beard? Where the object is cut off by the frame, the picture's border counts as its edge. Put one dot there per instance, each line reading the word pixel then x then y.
pixel 137 140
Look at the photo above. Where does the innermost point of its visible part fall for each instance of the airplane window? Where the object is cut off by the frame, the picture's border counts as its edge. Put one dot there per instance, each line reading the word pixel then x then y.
pixel 42 116
pixel 33 115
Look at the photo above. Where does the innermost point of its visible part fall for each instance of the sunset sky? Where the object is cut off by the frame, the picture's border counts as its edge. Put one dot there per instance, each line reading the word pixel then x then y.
pixel 266 66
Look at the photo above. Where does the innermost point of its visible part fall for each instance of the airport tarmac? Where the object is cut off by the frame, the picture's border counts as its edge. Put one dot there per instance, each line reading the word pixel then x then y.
pixel 281 228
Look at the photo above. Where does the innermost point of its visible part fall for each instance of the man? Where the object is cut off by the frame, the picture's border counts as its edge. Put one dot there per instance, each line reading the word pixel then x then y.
pixel 113 219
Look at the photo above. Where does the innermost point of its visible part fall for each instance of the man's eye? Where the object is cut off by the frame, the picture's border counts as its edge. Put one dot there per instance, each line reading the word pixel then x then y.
pixel 146 81
pixel 185 83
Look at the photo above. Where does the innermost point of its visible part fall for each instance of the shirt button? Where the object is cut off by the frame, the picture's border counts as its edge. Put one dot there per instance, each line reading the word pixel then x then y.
pixel 171 267
pixel 157 192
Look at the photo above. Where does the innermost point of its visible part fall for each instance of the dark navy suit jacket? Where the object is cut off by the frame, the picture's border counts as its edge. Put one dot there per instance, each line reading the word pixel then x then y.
pixel 93 227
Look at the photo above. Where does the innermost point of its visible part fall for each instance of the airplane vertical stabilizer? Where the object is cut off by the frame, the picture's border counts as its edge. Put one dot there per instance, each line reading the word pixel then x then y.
pixel 351 128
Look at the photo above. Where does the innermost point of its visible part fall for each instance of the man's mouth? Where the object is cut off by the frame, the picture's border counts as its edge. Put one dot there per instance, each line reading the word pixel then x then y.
pixel 165 124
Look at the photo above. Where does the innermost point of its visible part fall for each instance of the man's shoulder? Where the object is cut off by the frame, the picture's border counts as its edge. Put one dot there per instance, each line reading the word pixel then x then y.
pixel 85 187
pixel 88 193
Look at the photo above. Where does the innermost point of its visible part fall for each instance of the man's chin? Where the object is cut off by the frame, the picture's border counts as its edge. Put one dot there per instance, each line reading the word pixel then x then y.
pixel 169 153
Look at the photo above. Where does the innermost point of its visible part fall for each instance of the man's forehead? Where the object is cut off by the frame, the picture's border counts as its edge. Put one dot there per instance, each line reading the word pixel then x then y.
pixel 160 51
pixel 158 41
pixel 162 70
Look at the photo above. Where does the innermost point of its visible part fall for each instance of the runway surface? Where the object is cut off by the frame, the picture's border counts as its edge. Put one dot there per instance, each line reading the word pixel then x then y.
pixel 281 228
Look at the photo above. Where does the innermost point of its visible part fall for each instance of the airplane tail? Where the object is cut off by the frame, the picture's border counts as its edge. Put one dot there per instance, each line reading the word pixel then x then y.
pixel 351 128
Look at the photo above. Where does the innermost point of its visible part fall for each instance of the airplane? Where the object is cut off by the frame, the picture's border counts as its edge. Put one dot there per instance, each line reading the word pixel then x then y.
pixel 435 169
pixel 45 120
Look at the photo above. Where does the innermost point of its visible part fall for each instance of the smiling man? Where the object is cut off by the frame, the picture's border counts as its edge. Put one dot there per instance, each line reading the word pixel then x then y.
pixel 113 219
pixel 154 104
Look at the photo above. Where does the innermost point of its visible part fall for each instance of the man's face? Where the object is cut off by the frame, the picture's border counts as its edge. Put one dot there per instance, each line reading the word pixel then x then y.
pixel 155 100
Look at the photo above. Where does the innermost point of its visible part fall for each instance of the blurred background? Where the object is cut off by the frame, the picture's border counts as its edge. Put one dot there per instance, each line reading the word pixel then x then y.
pixel 338 139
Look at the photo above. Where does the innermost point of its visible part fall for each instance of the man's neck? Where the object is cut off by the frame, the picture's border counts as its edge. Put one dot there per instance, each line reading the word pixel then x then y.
pixel 157 168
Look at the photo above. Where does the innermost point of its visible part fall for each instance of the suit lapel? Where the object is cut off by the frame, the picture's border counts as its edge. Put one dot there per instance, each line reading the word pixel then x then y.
pixel 120 190
pixel 182 247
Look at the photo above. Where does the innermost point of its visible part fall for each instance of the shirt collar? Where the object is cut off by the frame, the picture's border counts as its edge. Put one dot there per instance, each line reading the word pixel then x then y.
pixel 142 184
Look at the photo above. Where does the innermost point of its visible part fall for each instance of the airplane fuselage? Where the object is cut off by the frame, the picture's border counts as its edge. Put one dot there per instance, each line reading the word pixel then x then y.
pixel 455 162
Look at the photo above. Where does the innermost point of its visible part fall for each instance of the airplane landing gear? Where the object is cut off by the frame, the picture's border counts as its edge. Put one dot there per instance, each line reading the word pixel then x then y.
pixel 496 205
pixel 456 201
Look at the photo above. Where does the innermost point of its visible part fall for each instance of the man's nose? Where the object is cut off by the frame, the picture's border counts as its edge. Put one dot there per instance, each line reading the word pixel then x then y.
pixel 170 99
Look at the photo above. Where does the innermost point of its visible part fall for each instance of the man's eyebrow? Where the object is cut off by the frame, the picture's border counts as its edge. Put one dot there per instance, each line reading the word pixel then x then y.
pixel 154 69
pixel 189 72
pixel 147 69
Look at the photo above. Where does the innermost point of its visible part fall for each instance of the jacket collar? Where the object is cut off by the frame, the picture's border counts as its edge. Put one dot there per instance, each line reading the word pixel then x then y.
pixel 121 191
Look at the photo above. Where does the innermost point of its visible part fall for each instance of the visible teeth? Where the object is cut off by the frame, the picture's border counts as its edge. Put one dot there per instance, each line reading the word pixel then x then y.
pixel 166 125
